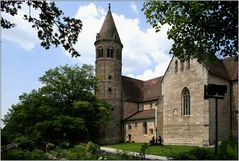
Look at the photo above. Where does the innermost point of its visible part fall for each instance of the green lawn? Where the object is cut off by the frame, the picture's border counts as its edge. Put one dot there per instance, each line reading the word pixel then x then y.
pixel 155 150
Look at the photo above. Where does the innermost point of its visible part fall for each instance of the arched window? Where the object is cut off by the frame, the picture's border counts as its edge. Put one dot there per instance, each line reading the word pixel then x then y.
pixel 100 52
pixel 182 66
pixel 145 128
pixel 110 52
pixel 129 127
pixel 118 56
pixel 185 102
pixel 176 66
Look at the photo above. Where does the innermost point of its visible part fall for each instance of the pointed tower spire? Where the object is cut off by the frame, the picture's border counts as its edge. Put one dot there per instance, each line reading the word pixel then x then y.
pixel 108 30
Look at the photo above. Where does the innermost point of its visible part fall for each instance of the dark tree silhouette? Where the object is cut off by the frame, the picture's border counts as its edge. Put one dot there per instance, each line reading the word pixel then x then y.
pixel 199 29
pixel 49 17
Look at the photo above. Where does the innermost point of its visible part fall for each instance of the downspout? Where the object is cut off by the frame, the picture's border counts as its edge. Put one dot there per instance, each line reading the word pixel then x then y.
pixel 231 90
pixel 156 120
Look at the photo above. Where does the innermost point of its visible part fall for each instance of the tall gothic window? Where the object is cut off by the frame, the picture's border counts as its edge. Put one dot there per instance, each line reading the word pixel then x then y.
pixel 145 128
pixel 176 66
pixel 185 102
pixel 182 66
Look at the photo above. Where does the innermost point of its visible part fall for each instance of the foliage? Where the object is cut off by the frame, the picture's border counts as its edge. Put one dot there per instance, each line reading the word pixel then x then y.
pixel 143 149
pixel 194 154
pixel 92 148
pixel 120 156
pixel 228 149
pixel 19 154
pixel 90 151
pixel 199 29
pixel 49 18
pixel 62 112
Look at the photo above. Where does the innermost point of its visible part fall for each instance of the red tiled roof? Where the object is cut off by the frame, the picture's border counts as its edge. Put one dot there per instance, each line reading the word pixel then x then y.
pixel 141 91
pixel 152 89
pixel 132 89
pixel 141 115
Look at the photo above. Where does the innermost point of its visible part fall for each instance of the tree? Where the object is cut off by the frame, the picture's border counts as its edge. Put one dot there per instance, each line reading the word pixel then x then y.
pixel 50 17
pixel 64 109
pixel 199 29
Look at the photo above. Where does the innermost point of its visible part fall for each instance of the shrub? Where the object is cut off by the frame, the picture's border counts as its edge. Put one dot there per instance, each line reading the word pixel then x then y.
pixel 194 154
pixel 24 142
pixel 36 154
pixel 228 149
pixel 19 154
pixel 143 149
pixel 92 148
pixel 13 154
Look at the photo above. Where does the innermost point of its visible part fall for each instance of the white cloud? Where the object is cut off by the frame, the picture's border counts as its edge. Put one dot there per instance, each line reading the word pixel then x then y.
pixel 134 7
pixel 159 70
pixel 144 52
pixel 23 34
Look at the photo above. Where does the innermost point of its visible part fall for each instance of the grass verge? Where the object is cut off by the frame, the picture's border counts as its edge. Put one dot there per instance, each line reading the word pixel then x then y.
pixel 164 150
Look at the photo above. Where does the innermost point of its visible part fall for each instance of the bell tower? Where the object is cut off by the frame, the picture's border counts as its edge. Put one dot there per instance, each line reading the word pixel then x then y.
pixel 108 70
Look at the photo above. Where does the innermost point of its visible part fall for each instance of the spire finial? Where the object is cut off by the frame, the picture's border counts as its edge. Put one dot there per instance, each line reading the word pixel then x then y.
pixel 109 6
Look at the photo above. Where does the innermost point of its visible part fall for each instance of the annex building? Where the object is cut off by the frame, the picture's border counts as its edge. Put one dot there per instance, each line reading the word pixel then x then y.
pixel 171 106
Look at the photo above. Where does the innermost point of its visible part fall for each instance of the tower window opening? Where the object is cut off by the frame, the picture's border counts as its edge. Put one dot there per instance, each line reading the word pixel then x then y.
pixel 109 89
pixel 110 52
pixel 109 77
pixel 100 52
pixel 118 56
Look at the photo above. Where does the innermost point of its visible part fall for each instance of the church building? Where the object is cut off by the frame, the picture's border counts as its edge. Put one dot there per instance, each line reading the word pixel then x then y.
pixel 171 106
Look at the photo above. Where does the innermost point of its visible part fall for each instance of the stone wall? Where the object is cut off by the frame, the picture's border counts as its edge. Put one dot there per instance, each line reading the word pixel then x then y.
pixel 223 111
pixel 177 128
pixel 136 130
pixel 148 105
pixel 235 109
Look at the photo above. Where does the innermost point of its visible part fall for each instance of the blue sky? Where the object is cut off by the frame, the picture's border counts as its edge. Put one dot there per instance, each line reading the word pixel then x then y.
pixel 23 60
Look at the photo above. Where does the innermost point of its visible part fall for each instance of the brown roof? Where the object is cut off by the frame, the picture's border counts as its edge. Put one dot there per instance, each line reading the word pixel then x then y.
pixel 225 68
pixel 152 89
pixel 231 67
pixel 140 91
pixel 132 88
pixel 108 30
pixel 141 115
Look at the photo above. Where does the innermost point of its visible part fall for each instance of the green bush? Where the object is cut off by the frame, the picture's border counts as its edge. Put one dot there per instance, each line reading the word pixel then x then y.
pixel 25 142
pixel 36 154
pixel 19 154
pixel 228 149
pixel 143 149
pixel 92 148
pixel 13 154
pixel 194 154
